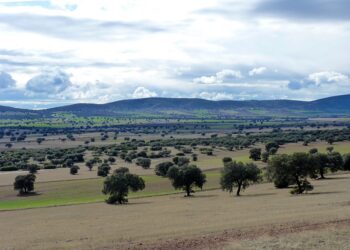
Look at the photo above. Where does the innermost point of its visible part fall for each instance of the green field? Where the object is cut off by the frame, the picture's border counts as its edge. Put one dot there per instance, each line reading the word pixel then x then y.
pixel 69 192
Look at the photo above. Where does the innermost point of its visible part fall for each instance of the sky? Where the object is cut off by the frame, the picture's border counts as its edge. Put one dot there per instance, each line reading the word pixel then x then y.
pixel 58 52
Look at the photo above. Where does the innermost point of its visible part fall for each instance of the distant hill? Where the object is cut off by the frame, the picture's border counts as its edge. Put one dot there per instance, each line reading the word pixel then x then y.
pixel 194 108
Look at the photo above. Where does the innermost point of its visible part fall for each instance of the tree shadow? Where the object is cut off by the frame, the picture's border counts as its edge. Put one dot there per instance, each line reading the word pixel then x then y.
pixel 202 196
pixel 256 195
pixel 334 178
pixel 327 192
pixel 138 203
pixel 29 194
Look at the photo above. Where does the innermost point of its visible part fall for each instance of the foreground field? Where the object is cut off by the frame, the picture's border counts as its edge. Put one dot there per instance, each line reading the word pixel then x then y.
pixel 210 220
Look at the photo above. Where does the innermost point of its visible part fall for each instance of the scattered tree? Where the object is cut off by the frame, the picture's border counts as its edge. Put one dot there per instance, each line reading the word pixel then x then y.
pixel 255 154
pixel 117 186
pixel 240 175
pixel 186 177
pixel 24 183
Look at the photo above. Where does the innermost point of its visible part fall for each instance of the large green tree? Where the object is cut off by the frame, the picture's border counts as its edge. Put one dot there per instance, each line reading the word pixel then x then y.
pixel 117 186
pixel 24 183
pixel 286 170
pixel 240 175
pixel 186 177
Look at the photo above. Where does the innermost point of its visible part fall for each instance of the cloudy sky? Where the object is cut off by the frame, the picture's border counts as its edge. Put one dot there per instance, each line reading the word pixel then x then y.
pixel 57 52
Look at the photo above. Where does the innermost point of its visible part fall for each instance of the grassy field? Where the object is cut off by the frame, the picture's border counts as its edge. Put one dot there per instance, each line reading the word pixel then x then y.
pixel 209 220
pixel 57 187
pixel 59 193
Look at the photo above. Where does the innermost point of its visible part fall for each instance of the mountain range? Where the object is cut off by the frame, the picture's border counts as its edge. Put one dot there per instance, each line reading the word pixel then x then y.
pixel 192 108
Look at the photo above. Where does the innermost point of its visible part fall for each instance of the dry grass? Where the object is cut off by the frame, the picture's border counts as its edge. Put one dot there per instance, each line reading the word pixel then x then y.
pixel 153 221
pixel 324 239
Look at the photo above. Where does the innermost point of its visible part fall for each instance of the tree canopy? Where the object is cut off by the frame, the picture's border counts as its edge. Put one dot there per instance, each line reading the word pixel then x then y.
pixel 117 186
pixel 240 175
pixel 186 177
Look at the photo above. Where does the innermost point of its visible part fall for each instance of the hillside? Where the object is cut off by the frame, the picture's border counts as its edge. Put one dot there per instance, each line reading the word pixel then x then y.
pixel 191 107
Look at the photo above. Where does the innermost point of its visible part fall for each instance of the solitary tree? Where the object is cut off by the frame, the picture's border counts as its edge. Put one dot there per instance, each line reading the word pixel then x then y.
pixel 103 170
pixel 74 169
pixel 186 177
pixel 24 183
pixel 33 168
pixel 240 175
pixel 117 186
pixel 255 154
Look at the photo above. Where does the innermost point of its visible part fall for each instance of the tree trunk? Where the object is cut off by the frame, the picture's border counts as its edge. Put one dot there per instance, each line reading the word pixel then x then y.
pixel 239 189
pixel 322 173
pixel 188 190
pixel 299 185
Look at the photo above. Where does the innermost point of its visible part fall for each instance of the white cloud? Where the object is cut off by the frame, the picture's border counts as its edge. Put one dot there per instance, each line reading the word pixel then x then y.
pixel 257 71
pixel 219 77
pixel 216 96
pixel 320 78
pixel 142 92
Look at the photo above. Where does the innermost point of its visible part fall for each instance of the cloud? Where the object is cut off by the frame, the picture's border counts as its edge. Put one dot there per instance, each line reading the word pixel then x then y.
pixel 73 28
pixel 219 77
pixel 337 10
pixel 216 96
pixel 6 80
pixel 257 71
pixel 51 82
pixel 320 79
pixel 142 92
pixel 325 77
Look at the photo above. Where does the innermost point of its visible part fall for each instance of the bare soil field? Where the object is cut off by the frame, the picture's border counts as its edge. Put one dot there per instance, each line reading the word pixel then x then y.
pixel 209 220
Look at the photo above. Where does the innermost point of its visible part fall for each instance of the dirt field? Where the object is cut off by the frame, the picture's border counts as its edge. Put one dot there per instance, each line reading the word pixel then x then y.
pixel 210 220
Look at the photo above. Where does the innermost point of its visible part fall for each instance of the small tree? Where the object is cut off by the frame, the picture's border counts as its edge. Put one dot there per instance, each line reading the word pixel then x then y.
pixel 24 183
pixel 117 186
pixel 33 168
pixel 143 162
pixel 103 170
pixel 186 177
pixel 240 175
pixel 74 169
pixel 271 145
pixel 162 168
pixel 255 154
